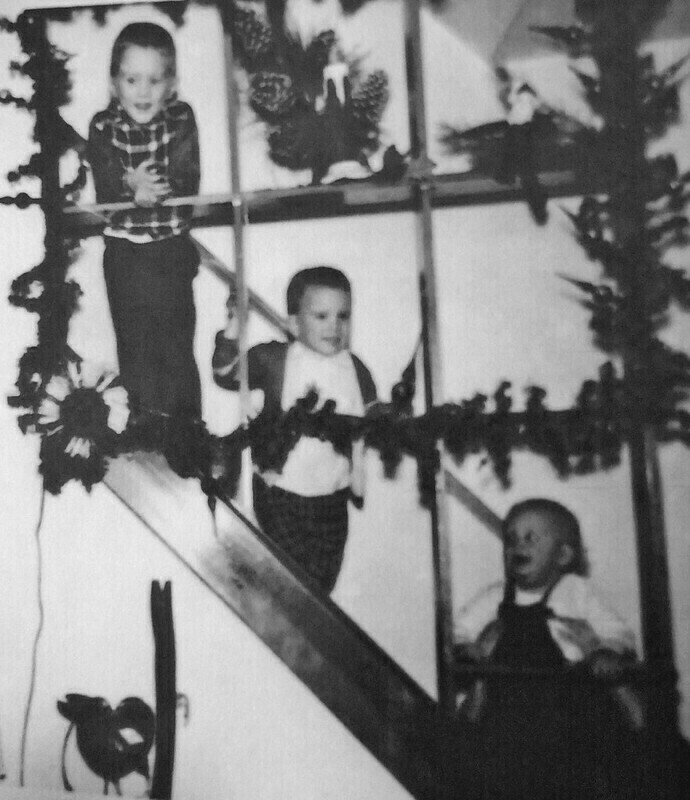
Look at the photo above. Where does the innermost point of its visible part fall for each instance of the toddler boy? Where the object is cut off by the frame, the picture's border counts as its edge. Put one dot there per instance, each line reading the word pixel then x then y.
pixel 303 508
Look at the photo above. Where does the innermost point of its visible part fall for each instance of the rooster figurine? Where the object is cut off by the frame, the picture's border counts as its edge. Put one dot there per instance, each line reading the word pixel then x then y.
pixel 113 742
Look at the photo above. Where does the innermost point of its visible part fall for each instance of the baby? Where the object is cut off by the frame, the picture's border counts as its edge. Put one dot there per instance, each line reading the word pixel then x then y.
pixel 539 734
pixel 545 568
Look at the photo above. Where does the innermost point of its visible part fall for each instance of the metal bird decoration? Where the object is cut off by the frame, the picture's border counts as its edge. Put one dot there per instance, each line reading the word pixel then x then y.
pixel 102 740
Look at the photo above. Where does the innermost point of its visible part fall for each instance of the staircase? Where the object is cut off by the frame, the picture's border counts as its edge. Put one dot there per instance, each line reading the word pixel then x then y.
pixel 360 684
pixel 354 678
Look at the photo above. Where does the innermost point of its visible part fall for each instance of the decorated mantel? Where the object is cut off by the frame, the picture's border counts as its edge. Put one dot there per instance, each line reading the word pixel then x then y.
pixel 316 94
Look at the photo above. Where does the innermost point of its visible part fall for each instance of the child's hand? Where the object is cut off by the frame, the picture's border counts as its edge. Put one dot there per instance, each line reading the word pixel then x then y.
pixel 148 186
pixel 580 633
pixel 604 663
pixel 231 327
pixel 231 302
pixel 488 639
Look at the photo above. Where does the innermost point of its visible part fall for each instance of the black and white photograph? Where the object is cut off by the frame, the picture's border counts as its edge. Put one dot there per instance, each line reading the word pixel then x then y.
pixel 345 399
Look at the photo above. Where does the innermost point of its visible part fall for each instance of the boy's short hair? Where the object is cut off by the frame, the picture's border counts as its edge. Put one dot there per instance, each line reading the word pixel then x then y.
pixel 143 34
pixel 322 276
pixel 568 525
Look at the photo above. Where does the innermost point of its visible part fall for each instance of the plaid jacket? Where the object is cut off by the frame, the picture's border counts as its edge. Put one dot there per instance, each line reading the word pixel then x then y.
pixel 117 145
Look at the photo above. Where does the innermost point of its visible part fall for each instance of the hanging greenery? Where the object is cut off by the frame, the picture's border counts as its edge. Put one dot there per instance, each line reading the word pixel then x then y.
pixel 644 215
pixel 83 421
pixel 44 289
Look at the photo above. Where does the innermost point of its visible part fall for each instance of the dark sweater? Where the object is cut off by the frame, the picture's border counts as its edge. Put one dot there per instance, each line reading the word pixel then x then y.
pixel 266 366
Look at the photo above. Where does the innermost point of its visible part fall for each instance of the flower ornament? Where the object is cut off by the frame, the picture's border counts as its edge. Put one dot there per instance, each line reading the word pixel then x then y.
pixel 80 417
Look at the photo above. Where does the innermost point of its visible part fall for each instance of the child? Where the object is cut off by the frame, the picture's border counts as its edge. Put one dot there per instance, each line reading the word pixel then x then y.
pixel 144 148
pixel 303 508
pixel 547 737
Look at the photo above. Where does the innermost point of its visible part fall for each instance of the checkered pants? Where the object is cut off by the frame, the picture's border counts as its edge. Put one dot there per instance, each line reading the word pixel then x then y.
pixel 311 531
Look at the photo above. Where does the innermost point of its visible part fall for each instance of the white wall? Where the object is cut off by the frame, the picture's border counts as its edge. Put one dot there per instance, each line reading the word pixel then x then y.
pixel 253 729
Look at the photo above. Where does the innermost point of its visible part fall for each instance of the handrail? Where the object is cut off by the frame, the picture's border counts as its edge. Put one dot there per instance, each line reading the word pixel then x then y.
pixel 449 189
pixel 339 199
pixel 102 209
pixel 474 504
pixel 638 673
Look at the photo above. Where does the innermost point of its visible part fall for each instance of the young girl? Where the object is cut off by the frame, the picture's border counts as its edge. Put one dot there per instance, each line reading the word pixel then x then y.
pixel 144 148
pixel 555 734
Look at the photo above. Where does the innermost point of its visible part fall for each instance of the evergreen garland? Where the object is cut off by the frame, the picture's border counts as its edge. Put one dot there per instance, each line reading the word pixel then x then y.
pixel 44 289
pixel 644 214
pixel 80 433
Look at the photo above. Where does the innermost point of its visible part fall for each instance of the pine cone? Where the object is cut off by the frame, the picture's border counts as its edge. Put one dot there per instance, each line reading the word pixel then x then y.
pixel 254 39
pixel 366 108
pixel 271 95
pixel 369 99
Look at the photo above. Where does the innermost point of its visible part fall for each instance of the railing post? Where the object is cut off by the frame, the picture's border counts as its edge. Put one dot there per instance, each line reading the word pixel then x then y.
pixel 421 173
pixel 238 210
pixel 239 220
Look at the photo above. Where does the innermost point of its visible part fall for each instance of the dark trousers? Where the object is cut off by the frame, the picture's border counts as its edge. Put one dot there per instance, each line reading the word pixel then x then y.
pixel 311 531
pixel 152 305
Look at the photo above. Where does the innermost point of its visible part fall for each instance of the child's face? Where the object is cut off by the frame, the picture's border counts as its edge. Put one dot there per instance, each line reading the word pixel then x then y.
pixel 323 320
pixel 534 550
pixel 144 82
